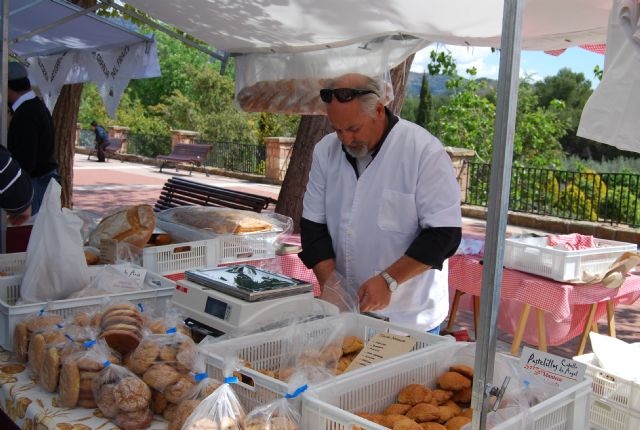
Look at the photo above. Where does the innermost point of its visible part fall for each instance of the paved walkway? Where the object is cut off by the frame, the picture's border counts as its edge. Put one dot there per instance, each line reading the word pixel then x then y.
pixel 102 187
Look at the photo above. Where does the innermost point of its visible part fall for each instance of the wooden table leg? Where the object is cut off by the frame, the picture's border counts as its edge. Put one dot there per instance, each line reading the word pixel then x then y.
pixel 611 319
pixel 542 331
pixel 587 329
pixel 517 339
pixel 454 310
pixel 594 326
pixel 476 315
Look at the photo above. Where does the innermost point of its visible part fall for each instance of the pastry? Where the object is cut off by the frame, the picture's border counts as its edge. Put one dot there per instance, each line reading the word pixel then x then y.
pixel 453 405
pixel 463 370
pixel 453 381
pixel 134 420
pixel 397 408
pixel 91 258
pixel 456 423
pixel 36 354
pixel 414 394
pixel 158 402
pixel 69 384
pixel 467 413
pixel 176 392
pixel 462 396
pixel 183 411
pixel 131 394
pixel 168 353
pixel 143 357
pixel 440 396
pixel 221 221
pixel 424 412
pixel 21 342
pixel 445 413
pixel 432 426
pixel 186 356
pixel 160 376
pixel 106 401
pixel 351 344
pixel 170 411
pixel 407 425
pixel 50 370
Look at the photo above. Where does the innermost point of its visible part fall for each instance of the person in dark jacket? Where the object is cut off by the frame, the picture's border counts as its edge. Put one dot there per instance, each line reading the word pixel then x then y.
pixel 16 190
pixel 31 134
pixel 102 140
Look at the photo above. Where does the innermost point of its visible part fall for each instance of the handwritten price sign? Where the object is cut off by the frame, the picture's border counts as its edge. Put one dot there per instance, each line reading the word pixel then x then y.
pixel 559 371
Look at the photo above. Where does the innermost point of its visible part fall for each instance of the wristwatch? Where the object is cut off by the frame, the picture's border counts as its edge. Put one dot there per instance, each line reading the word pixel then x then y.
pixel 391 282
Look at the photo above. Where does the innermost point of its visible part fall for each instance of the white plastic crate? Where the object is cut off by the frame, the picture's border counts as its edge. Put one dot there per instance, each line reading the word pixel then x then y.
pixel 332 404
pixel 264 351
pixel 231 248
pixel 615 403
pixel 160 292
pixel 176 258
pixel 531 255
pixel 13 264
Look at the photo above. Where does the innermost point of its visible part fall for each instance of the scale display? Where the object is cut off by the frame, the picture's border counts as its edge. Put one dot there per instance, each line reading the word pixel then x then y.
pixel 246 282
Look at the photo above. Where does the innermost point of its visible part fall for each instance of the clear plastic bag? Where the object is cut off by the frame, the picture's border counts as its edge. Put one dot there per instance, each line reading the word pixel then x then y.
pixel 56 265
pixel 77 372
pixel 123 397
pixel 221 410
pixel 108 281
pixel 290 82
pixel 23 330
pixel 277 415
pixel 337 291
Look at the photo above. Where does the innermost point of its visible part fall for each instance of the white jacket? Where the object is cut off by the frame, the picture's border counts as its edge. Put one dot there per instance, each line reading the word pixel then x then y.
pixel 372 220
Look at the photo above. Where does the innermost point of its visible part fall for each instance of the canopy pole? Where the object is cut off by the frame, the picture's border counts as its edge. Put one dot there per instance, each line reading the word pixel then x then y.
pixel 217 55
pixel 4 75
pixel 498 206
pixel 56 23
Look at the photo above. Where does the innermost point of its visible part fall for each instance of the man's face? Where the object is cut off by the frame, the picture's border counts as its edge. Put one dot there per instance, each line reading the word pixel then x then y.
pixel 355 129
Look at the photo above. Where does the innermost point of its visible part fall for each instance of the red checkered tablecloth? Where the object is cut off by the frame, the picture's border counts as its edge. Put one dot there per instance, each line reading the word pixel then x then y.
pixel 566 306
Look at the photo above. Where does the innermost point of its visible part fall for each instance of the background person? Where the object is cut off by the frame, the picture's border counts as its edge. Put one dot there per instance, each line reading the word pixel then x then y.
pixel 101 141
pixel 30 134
pixel 381 208
pixel 16 190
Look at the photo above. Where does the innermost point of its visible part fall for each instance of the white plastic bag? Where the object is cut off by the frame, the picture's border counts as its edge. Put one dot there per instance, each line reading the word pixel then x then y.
pixel 56 266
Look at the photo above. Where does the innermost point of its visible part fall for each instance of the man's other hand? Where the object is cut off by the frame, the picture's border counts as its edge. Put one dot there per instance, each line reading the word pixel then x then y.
pixel 374 294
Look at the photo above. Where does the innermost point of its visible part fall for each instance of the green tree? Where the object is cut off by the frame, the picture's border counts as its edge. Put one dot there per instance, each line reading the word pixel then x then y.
pixel 423 114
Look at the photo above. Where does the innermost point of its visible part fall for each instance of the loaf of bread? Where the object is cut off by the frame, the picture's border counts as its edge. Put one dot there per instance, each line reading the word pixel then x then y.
pixel 222 221
pixel 289 96
pixel 132 224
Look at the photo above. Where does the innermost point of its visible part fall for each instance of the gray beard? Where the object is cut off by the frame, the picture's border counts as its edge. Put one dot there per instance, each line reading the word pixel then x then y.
pixel 361 153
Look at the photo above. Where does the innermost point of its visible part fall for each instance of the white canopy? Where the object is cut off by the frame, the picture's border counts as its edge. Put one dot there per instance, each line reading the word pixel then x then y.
pixel 64 45
pixel 303 25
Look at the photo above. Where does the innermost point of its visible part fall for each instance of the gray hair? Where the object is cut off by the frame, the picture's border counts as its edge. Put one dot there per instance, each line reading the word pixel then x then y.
pixel 368 102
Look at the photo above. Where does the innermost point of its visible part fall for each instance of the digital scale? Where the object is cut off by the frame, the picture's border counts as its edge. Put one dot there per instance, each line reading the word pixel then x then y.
pixel 224 299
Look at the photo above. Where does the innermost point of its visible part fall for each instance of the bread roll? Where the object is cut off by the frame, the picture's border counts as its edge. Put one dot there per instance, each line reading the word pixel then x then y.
pixel 133 225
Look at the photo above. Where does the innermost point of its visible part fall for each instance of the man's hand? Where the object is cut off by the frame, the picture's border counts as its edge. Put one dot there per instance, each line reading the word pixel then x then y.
pixel 374 294
pixel 21 218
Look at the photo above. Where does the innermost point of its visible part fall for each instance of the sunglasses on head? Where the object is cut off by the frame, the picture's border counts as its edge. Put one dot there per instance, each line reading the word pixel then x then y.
pixel 343 95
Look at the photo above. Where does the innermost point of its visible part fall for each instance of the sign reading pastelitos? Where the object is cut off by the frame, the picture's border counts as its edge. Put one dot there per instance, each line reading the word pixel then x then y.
pixel 551 369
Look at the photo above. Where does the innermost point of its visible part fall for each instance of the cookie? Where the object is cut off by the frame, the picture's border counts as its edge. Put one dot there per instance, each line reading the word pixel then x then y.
pixel 160 376
pixel 111 320
pixel 21 342
pixel 86 403
pixel 40 322
pixel 106 401
pixel 143 357
pixel 168 353
pixel 89 364
pixel 184 409
pixel 36 354
pixel 158 402
pixel 176 392
pixel 50 370
pixel 131 394
pixel 170 412
pixel 122 341
pixel 186 356
pixel 134 420
pixel 69 384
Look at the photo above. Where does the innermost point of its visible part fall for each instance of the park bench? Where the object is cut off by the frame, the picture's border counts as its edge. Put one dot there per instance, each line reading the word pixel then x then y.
pixel 182 192
pixel 111 151
pixel 191 153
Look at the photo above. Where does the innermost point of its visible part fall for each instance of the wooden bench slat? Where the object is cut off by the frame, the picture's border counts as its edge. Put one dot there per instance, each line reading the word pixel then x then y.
pixel 237 197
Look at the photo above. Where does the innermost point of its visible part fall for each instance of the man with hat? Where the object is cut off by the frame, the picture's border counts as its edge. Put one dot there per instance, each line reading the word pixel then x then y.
pixel 31 134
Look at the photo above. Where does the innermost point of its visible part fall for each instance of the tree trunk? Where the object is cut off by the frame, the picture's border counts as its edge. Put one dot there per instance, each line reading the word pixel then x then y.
pixel 65 116
pixel 311 130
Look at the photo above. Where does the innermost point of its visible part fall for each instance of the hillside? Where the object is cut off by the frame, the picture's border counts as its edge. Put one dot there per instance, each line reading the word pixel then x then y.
pixel 437 84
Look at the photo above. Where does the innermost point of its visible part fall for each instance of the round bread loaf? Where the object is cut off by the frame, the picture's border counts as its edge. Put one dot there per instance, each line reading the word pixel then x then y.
pixel 133 225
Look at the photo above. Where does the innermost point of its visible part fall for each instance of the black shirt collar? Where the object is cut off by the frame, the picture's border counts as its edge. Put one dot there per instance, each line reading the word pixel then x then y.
pixel 392 120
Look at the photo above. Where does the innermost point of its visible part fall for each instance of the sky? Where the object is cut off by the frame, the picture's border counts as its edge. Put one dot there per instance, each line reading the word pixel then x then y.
pixel 535 64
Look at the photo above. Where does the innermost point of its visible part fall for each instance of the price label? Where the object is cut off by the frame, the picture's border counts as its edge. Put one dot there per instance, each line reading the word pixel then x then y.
pixel 136 274
pixel 552 369
pixel 381 347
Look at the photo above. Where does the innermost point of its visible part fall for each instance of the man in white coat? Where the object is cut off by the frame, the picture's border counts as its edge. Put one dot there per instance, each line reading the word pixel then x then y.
pixel 381 208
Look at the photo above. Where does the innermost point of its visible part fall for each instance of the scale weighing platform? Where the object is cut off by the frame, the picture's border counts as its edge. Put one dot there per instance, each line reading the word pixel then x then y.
pixel 224 299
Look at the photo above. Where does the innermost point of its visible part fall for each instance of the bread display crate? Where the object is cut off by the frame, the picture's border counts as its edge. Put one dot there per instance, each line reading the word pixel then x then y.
pixel 332 405
pixel 531 255
pixel 265 350
pixel 615 401
pixel 13 264
pixel 176 258
pixel 159 293
pixel 232 248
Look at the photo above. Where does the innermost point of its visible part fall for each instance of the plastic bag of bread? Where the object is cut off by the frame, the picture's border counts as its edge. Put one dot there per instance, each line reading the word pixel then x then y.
pixel 277 415
pixel 40 339
pixel 56 266
pixel 162 358
pixel 77 371
pixel 221 410
pixel 130 224
pixel 121 325
pixel 109 280
pixel 123 397
pixel 170 317
pixel 34 323
pixel 290 83
pixel 212 222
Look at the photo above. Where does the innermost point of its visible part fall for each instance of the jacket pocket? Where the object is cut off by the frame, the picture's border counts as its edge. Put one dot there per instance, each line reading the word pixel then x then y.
pixel 397 212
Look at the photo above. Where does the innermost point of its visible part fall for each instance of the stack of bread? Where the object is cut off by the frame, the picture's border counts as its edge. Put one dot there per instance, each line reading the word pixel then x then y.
pixel 23 331
pixel 121 327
